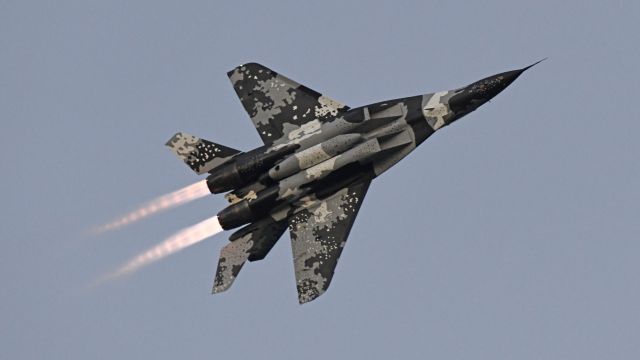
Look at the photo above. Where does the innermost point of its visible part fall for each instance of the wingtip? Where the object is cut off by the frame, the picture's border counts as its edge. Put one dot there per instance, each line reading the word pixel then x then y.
pixel 173 139
pixel 302 300
pixel 306 295
pixel 177 137
pixel 217 289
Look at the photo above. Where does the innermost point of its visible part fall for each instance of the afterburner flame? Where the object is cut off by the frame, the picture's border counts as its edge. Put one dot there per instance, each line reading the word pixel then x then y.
pixel 164 202
pixel 185 238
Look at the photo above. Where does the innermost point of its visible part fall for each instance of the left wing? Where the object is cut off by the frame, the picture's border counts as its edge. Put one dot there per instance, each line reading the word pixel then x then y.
pixel 318 234
pixel 278 105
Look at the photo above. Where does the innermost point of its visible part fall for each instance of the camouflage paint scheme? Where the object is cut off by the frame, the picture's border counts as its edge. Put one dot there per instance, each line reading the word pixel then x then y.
pixel 201 155
pixel 318 237
pixel 252 243
pixel 324 156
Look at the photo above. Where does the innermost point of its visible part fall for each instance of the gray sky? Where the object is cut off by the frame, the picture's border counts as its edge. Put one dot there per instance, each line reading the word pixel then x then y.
pixel 512 234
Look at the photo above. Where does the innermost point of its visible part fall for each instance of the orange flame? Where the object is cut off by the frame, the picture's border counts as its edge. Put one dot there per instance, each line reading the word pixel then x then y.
pixel 165 202
pixel 184 238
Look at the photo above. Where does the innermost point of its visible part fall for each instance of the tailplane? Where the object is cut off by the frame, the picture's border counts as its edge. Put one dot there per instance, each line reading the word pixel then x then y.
pixel 253 242
pixel 199 154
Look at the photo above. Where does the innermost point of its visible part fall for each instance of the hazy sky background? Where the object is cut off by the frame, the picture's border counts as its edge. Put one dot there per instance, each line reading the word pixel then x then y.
pixel 513 234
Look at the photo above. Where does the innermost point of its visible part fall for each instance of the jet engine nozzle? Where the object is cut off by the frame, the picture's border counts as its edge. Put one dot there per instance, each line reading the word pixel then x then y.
pixel 248 210
pixel 235 215
pixel 225 178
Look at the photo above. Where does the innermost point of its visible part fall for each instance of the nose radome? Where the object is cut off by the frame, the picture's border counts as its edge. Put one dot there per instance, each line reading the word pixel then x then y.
pixel 471 97
pixel 511 76
pixel 532 65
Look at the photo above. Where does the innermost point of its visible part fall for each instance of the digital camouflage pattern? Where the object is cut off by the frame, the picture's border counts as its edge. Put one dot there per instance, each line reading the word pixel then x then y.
pixel 251 243
pixel 272 100
pixel 201 155
pixel 318 235
pixel 314 170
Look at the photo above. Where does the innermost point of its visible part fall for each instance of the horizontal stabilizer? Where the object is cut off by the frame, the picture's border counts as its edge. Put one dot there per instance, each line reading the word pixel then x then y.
pixel 252 242
pixel 199 154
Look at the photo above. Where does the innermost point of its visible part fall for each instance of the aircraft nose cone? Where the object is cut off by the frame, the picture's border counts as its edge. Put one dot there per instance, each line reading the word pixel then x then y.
pixel 532 65
pixel 511 76
pixel 471 97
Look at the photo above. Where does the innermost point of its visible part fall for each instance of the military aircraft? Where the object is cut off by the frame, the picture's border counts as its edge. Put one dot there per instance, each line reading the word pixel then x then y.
pixel 315 167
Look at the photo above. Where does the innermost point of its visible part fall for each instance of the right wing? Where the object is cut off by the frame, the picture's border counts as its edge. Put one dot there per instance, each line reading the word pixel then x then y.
pixel 277 105
pixel 318 235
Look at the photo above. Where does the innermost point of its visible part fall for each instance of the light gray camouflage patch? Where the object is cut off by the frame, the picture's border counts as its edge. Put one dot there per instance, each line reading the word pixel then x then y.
pixel 327 106
pixel 435 108
pixel 248 192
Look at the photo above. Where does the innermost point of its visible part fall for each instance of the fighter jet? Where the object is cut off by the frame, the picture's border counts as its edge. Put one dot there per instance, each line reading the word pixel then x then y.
pixel 315 167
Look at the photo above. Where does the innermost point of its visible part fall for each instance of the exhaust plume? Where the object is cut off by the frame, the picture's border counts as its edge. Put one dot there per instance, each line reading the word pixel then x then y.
pixel 164 202
pixel 184 238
